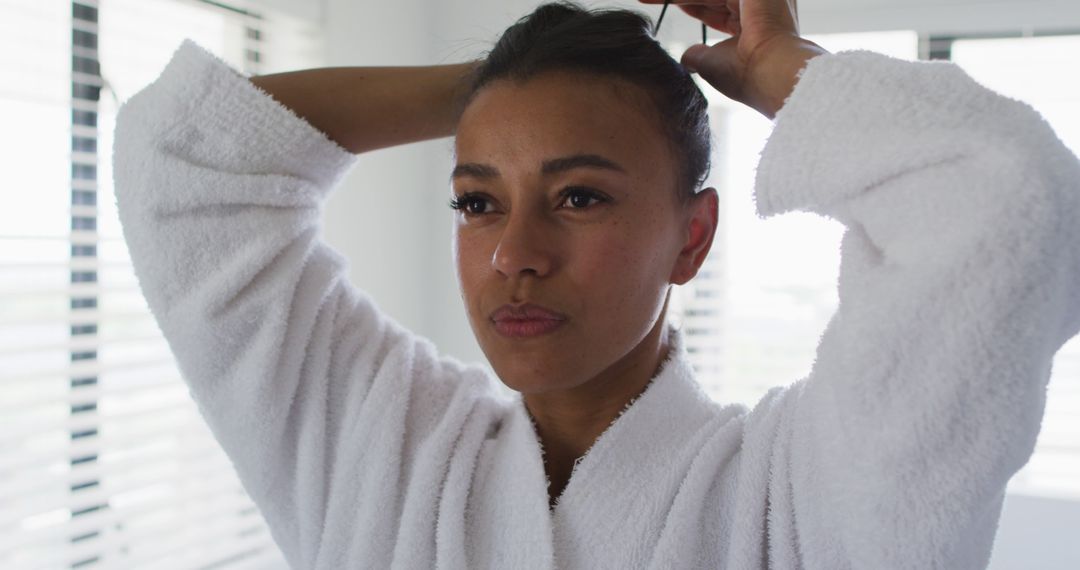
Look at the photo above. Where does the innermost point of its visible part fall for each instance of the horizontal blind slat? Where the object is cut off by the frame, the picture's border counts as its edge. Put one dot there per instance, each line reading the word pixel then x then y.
pixel 44 523
pixel 215 538
pixel 62 475
pixel 112 541
pixel 88 394
pixel 211 503
pixel 79 317
pixel 113 484
pixel 79 288
pixel 86 368
pixel 81 343
pixel 86 421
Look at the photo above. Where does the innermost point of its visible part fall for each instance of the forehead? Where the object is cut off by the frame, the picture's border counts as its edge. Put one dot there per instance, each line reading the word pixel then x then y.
pixel 560 113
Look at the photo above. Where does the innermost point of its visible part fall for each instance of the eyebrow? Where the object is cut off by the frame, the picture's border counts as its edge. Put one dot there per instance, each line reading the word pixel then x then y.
pixel 552 166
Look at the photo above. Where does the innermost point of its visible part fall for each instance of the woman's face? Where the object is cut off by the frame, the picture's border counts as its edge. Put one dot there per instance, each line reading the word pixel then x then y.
pixel 569 197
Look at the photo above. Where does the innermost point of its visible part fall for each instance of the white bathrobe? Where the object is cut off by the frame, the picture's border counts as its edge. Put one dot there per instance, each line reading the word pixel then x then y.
pixel 365 448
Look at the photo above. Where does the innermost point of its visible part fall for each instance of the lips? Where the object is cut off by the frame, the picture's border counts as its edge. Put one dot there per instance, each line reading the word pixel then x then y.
pixel 527 320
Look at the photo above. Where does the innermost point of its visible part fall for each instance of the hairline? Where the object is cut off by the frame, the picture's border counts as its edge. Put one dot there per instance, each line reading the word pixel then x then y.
pixel 653 107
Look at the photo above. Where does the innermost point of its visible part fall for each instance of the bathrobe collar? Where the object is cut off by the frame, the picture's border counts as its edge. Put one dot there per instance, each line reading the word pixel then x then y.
pixel 621 489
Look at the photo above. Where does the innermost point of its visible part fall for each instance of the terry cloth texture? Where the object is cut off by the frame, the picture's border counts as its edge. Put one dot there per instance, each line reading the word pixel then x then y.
pixel 365 448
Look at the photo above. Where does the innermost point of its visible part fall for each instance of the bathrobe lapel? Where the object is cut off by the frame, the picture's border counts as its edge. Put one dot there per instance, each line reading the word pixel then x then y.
pixel 614 510
pixel 509 525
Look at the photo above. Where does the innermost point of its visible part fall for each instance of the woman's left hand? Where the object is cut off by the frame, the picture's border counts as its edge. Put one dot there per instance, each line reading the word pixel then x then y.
pixel 759 64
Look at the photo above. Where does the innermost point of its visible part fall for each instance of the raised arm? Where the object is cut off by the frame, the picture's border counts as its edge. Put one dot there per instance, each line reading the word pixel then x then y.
pixel 319 399
pixel 368 108
pixel 959 280
pixel 958 283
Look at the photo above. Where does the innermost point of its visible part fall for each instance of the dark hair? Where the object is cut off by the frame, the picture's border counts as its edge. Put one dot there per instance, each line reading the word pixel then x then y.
pixel 563 36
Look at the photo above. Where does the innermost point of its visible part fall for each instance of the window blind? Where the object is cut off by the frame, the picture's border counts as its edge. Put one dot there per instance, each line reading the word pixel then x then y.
pixel 104 460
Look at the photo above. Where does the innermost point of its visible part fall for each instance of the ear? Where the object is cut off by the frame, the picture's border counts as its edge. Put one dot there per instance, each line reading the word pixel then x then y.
pixel 697 235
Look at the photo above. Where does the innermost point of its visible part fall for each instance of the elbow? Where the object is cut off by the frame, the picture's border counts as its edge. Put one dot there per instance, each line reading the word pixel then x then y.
pixel 1044 219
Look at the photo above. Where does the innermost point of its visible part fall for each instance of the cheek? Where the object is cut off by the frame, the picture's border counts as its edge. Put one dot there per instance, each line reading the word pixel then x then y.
pixel 473 260
pixel 627 258
pixel 607 256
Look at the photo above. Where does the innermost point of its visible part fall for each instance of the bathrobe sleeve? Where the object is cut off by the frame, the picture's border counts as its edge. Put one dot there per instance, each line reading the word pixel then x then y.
pixel 322 402
pixel 959 280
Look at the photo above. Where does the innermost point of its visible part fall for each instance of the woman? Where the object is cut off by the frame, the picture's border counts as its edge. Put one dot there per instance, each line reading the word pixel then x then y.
pixel 577 185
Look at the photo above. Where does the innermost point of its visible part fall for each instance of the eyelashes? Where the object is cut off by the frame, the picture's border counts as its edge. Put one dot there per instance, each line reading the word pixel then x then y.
pixel 579 198
pixel 457 203
pixel 461 202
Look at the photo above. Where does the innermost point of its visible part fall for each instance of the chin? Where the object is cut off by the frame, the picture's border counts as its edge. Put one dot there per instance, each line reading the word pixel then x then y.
pixel 532 367
pixel 529 380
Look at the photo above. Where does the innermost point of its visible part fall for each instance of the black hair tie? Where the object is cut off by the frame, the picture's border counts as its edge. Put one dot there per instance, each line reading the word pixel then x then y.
pixel 656 29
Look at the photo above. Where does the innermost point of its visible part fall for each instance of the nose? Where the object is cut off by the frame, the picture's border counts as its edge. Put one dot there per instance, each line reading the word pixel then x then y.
pixel 524 246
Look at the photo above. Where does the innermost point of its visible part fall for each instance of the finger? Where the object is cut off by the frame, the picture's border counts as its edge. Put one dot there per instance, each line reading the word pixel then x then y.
pixel 717 64
pixel 772 14
pixel 782 14
pixel 718 18
pixel 734 20
pixel 706 3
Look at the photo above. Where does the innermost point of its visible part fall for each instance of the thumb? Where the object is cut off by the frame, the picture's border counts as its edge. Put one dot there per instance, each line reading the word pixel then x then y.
pixel 691 58
pixel 717 64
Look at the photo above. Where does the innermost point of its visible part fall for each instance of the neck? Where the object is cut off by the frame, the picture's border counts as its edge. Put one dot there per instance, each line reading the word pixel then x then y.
pixel 568 422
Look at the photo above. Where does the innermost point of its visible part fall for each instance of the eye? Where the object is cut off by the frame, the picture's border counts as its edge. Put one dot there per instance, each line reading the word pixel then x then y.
pixel 580 197
pixel 471 204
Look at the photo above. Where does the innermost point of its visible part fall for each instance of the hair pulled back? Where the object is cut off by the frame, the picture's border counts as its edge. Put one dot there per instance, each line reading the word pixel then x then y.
pixel 564 36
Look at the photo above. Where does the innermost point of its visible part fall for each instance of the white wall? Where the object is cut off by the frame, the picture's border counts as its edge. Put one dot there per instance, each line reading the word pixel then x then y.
pixel 381 215
pixel 938 16
pixel 1037 533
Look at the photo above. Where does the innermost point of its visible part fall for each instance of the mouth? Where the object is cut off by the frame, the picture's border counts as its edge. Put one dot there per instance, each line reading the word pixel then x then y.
pixel 526 321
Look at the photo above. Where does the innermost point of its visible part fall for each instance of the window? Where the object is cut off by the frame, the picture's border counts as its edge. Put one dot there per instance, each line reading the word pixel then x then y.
pixel 1033 69
pixel 104 460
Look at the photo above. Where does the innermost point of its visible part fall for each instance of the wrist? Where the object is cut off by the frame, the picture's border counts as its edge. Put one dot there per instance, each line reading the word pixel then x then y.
pixel 461 76
pixel 775 72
